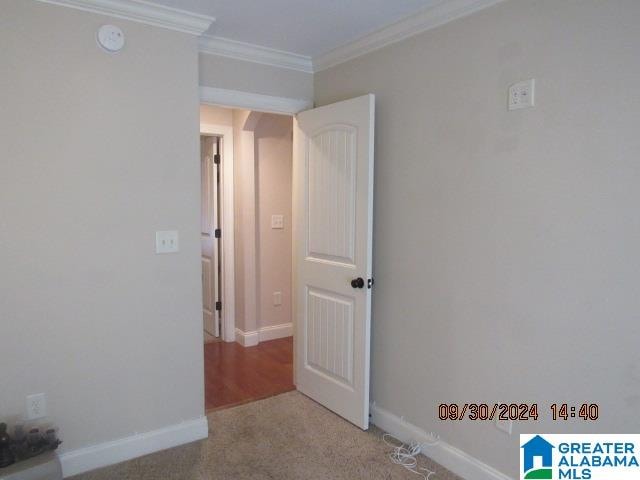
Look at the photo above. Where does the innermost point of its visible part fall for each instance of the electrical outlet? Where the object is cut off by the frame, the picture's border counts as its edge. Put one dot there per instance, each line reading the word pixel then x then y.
pixel 505 425
pixel 36 406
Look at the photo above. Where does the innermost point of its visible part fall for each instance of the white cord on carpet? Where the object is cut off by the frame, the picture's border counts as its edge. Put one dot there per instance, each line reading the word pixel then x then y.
pixel 405 455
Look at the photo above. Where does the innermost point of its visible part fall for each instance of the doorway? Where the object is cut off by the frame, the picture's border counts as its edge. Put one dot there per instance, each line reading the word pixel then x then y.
pixel 255 359
pixel 331 222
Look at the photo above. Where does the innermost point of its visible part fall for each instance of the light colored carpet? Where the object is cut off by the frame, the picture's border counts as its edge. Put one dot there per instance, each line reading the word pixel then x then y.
pixel 281 438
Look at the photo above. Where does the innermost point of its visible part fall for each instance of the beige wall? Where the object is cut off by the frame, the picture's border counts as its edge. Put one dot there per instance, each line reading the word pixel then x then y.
pixel 245 223
pixel 212 115
pixel 98 152
pixel 262 187
pixel 232 74
pixel 505 254
pixel 274 148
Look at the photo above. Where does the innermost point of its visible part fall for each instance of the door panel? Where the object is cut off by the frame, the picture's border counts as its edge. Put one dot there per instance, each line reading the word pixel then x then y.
pixel 209 244
pixel 331 180
pixel 208 311
pixel 333 202
pixel 330 335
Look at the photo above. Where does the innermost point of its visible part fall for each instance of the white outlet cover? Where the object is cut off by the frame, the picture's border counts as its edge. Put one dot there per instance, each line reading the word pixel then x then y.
pixel 110 38
pixel 522 95
pixel 167 241
pixel 36 406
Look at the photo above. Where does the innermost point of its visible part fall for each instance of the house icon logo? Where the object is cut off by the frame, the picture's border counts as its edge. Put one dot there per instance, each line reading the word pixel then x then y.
pixel 537 459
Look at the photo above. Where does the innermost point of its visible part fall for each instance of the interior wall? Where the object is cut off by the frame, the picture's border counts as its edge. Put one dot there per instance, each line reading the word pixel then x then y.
pixel 99 152
pixel 274 149
pixel 229 73
pixel 213 115
pixel 245 223
pixel 505 254
pixel 262 187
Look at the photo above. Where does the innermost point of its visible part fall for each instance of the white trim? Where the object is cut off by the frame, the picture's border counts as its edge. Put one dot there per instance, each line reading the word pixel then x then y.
pixel 448 456
pixel 264 334
pixel 149 13
pixel 143 12
pixel 228 218
pixel 431 17
pixel 247 339
pixel 275 331
pixel 116 451
pixel 249 52
pixel 253 101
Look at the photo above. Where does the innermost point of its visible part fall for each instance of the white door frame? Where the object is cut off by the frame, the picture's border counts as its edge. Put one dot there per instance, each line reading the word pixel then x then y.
pixel 250 101
pixel 228 270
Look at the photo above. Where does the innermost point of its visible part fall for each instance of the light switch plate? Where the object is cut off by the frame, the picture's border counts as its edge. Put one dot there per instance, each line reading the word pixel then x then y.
pixel 167 241
pixel 522 95
pixel 277 221
pixel 277 298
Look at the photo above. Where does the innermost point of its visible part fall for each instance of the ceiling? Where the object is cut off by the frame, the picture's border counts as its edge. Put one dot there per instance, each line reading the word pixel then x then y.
pixel 305 27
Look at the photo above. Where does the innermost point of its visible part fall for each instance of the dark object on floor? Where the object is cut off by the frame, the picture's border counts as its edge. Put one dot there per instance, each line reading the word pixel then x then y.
pixel 23 447
pixel 6 455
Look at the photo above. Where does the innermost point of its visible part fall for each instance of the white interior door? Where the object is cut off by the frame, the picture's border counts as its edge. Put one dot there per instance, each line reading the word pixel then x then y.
pixel 333 210
pixel 209 242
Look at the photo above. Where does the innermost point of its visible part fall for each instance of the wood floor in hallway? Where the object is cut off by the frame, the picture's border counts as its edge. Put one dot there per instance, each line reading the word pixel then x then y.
pixel 235 374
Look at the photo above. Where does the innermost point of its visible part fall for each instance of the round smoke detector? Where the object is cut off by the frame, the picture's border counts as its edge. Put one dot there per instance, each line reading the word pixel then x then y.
pixel 111 38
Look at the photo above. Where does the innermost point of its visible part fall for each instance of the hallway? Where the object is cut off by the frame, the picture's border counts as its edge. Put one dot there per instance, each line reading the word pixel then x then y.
pixel 235 375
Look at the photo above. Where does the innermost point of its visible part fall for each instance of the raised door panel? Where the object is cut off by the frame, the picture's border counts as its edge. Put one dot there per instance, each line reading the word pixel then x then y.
pixel 329 329
pixel 331 176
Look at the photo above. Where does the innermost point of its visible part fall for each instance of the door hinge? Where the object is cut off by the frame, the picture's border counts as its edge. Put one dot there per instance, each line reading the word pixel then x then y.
pixel 216 159
pixel 218 306
pixel 217 233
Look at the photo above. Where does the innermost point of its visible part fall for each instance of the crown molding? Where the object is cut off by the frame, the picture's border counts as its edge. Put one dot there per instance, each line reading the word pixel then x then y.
pixel 253 101
pixel 149 13
pixel 254 53
pixel 143 12
pixel 443 12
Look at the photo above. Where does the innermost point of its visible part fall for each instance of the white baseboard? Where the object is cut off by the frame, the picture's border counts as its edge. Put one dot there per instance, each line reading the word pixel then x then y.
pixel 276 331
pixel 116 451
pixel 247 339
pixel 448 456
pixel 250 339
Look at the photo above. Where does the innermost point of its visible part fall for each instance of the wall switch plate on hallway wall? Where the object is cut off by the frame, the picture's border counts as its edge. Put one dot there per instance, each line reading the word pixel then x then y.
pixel 277 221
pixel 277 298
pixel 167 241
